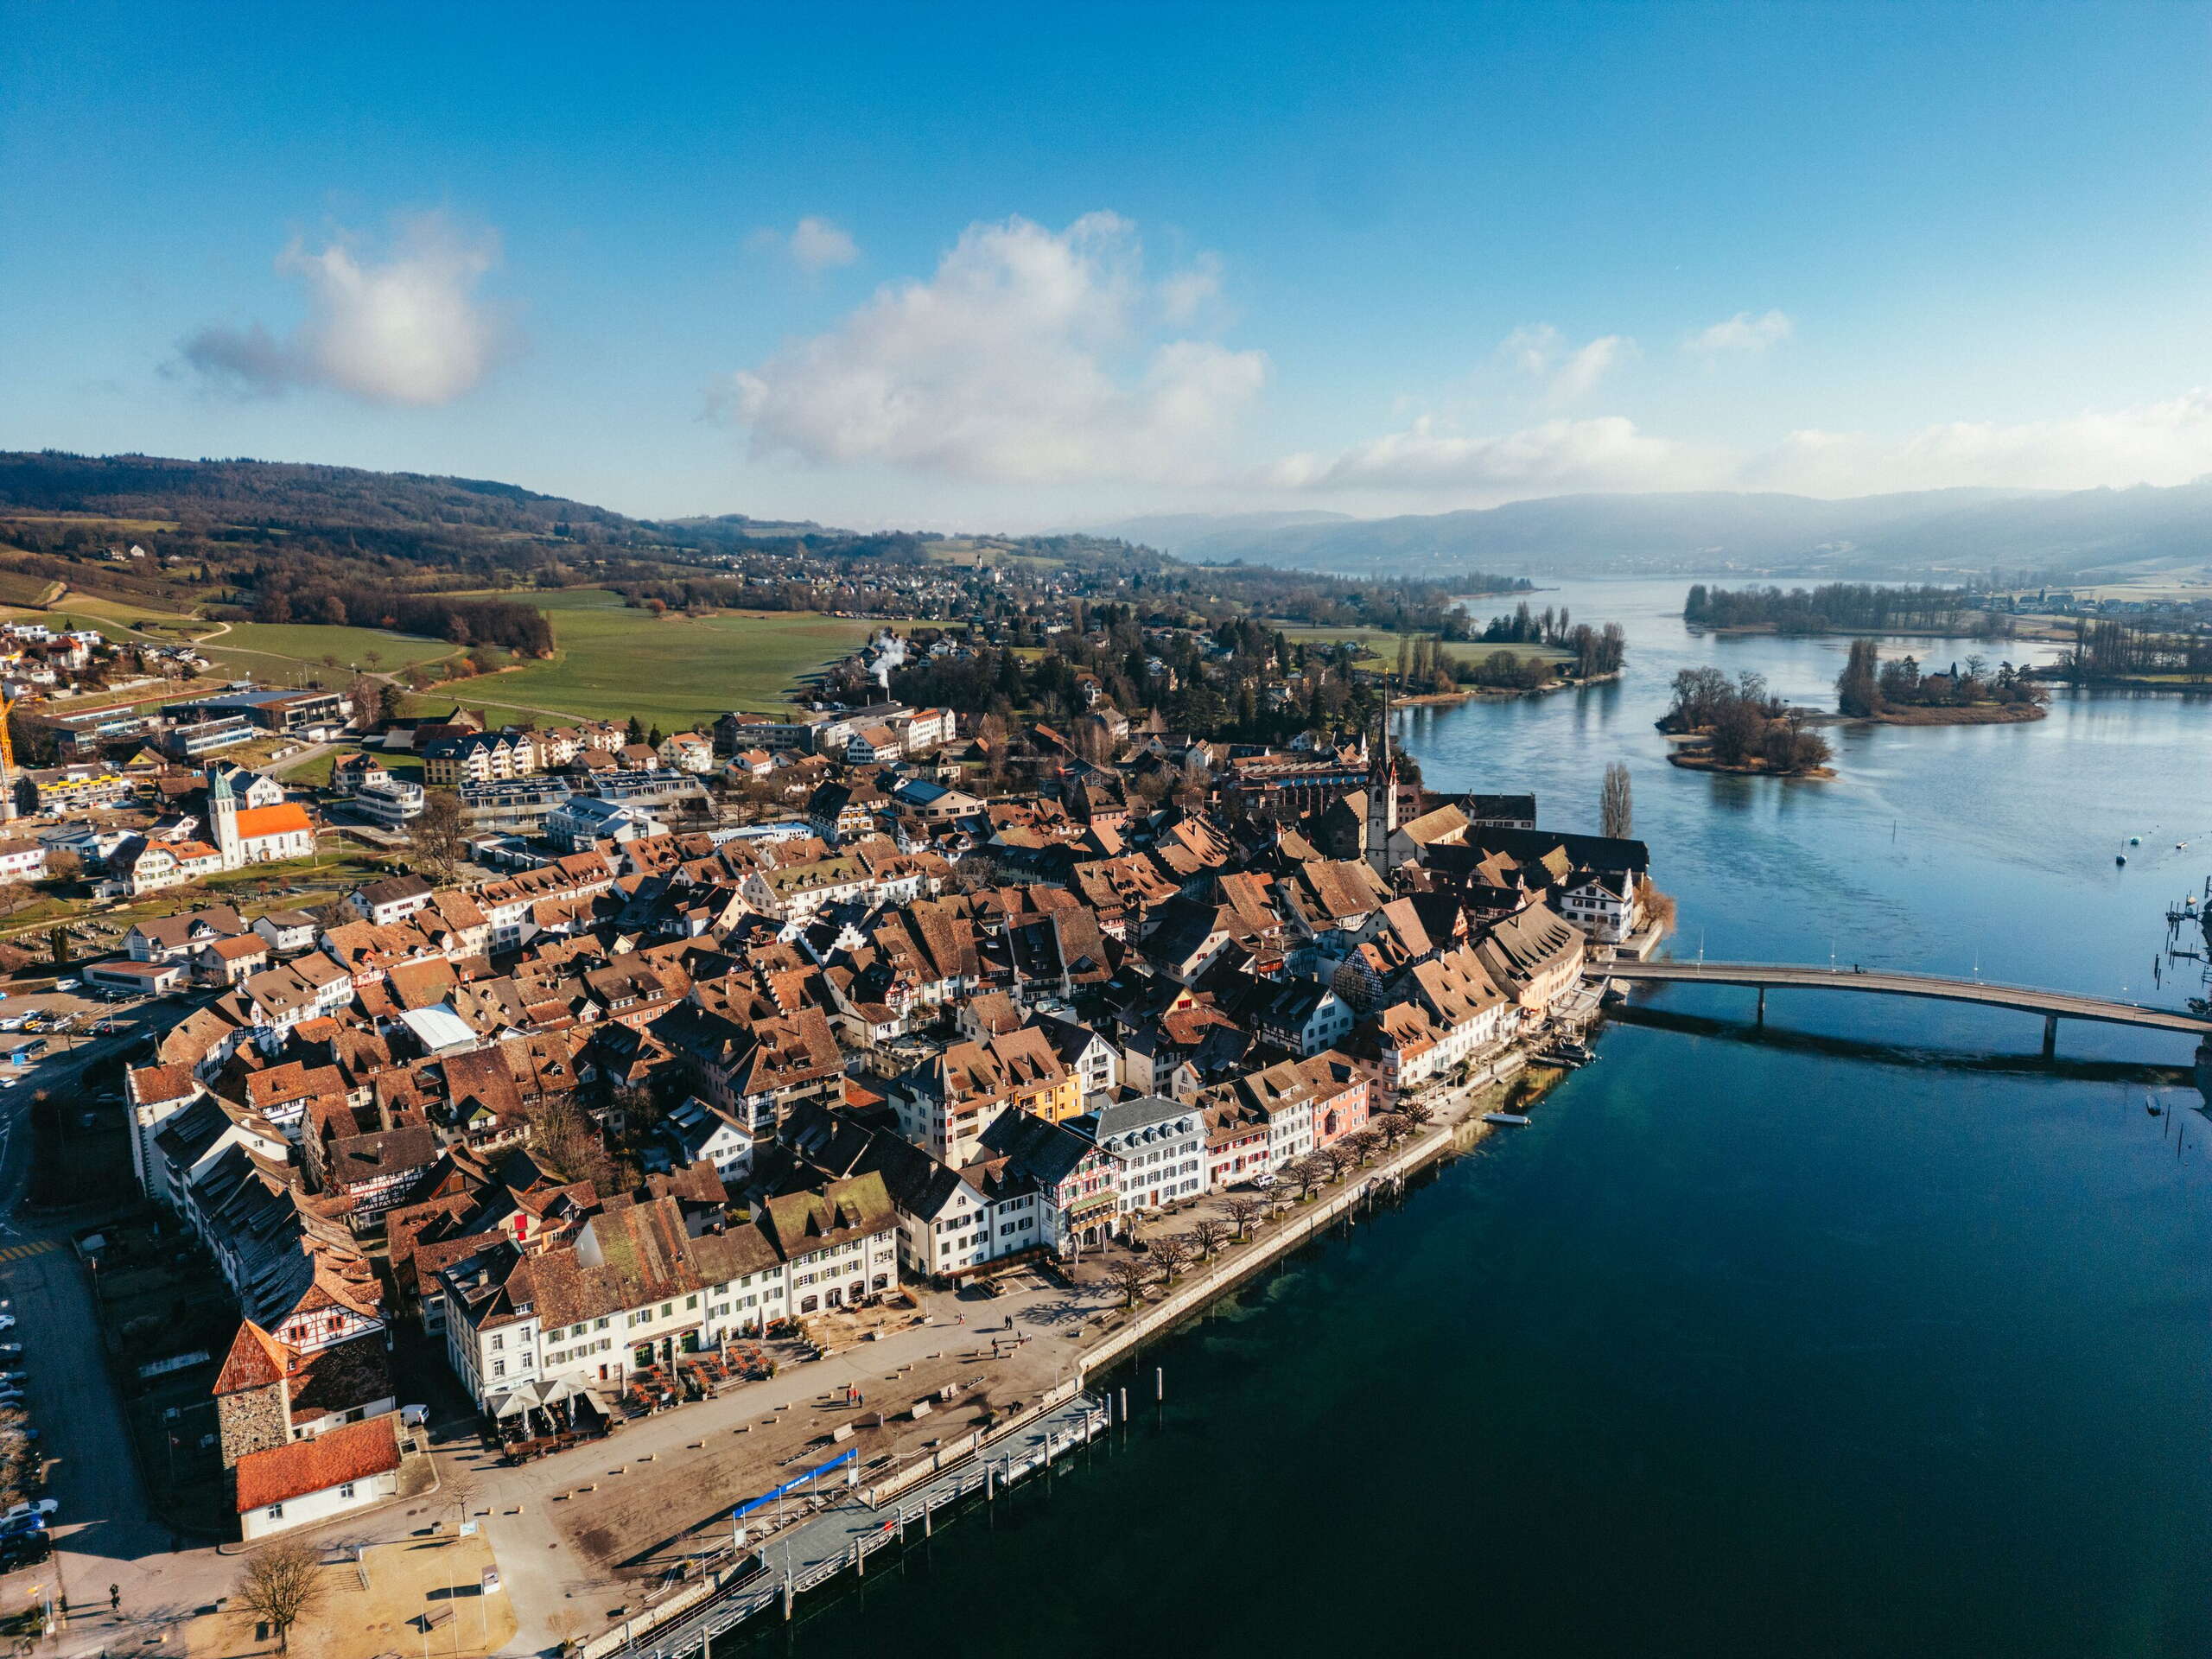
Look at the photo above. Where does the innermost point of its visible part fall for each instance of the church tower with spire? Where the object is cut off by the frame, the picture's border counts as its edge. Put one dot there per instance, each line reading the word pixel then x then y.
pixel 223 816
pixel 1382 798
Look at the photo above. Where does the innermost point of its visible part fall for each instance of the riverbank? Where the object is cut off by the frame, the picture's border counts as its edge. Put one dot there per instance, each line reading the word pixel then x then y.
pixel 1972 714
pixel 1499 693
pixel 737 1583
pixel 2127 682
pixel 1702 759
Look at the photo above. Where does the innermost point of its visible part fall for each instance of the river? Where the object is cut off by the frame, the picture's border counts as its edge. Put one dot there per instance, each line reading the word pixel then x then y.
pixel 1870 1335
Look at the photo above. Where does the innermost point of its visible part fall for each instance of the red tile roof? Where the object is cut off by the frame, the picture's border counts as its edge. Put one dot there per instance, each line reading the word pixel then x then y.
pixel 277 820
pixel 256 1360
pixel 353 1453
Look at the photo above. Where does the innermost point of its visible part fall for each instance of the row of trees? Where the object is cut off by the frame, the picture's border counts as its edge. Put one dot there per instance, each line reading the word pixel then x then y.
pixel 280 594
pixel 1834 606
pixel 1743 723
pixel 1167 1254
pixel 1867 685
pixel 2109 650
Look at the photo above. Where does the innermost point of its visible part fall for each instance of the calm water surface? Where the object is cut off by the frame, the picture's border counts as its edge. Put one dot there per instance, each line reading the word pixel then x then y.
pixel 1871 1336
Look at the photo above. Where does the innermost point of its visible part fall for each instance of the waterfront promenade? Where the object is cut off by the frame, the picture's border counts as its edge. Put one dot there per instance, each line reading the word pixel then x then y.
pixel 809 1552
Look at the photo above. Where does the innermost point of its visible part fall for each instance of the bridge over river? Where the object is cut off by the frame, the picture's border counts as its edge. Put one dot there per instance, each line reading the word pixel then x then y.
pixel 2054 1006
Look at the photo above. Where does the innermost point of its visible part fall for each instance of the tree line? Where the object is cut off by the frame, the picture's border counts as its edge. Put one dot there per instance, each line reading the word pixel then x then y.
pixel 1868 685
pixel 2106 649
pixel 280 596
pixel 1833 605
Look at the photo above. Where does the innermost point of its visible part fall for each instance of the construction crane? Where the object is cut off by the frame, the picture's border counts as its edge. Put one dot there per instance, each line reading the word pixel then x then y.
pixel 7 759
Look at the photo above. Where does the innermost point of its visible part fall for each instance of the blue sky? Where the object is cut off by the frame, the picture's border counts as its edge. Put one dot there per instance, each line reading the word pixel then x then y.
pixel 1010 267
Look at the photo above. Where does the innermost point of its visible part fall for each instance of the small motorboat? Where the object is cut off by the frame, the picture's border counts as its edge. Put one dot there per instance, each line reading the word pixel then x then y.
pixel 1504 1117
pixel 1573 1054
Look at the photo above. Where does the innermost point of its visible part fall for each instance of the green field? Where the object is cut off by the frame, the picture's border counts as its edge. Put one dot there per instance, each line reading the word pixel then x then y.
pixel 265 650
pixel 21 588
pixel 612 662
pixel 1381 646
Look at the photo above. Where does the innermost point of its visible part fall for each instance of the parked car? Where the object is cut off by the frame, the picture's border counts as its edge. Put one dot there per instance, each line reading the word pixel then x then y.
pixel 36 1506
pixel 25 1548
pixel 7 1321
pixel 12 1351
pixel 66 984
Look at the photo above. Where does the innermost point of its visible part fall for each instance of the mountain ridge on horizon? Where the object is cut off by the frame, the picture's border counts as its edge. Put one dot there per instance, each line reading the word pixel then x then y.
pixel 2134 529
pixel 2061 534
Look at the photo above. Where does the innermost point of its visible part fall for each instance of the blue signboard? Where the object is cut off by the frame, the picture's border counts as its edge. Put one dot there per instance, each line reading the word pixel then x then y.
pixel 744 1510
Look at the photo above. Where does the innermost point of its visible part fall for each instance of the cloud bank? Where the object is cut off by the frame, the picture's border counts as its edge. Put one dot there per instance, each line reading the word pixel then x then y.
pixel 1031 355
pixel 2165 442
pixel 406 329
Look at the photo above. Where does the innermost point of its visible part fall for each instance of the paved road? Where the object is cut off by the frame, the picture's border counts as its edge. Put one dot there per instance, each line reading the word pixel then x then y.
pixel 105 1532
pixel 2065 1005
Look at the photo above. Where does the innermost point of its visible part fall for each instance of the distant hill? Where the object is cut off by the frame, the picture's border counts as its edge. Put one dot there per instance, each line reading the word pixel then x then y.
pixel 2073 532
pixel 281 492
pixel 1212 537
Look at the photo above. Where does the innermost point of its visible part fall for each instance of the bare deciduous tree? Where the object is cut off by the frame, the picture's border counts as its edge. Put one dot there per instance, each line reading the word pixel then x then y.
pixel 1129 1276
pixel 1169 1252
pixel 563 1136
pixel 284 1583
pixel 1338 1158
pixel 1208 1234
pixel 1393 1127
pixel 1242 1213
pixel 1418 1113
pixel 1308 1172
pixel 436 837
pixel 1363 1144
pixel 1616 807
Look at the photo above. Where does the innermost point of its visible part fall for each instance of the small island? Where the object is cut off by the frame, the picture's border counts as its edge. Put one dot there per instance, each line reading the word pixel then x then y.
pixel 1967 694
pixel 1842 607
pixel 1738 726
pixel 1533 653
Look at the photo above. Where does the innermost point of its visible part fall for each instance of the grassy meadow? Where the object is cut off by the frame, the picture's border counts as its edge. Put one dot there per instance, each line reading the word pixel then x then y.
pixel 612 662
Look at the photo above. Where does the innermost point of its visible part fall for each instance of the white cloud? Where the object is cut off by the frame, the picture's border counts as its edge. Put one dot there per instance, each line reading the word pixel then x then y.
pixel 2165 442
pixel 812 245
pixel 1538 352
pixel 405 328
pixel 1025 358
pixel 1741 332
pixel 1183 294
pixel 1579 375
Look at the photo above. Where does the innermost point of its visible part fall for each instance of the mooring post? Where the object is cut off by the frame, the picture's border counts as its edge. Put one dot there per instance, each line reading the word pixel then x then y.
pixel 1761 1020
pixel 2049 1035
